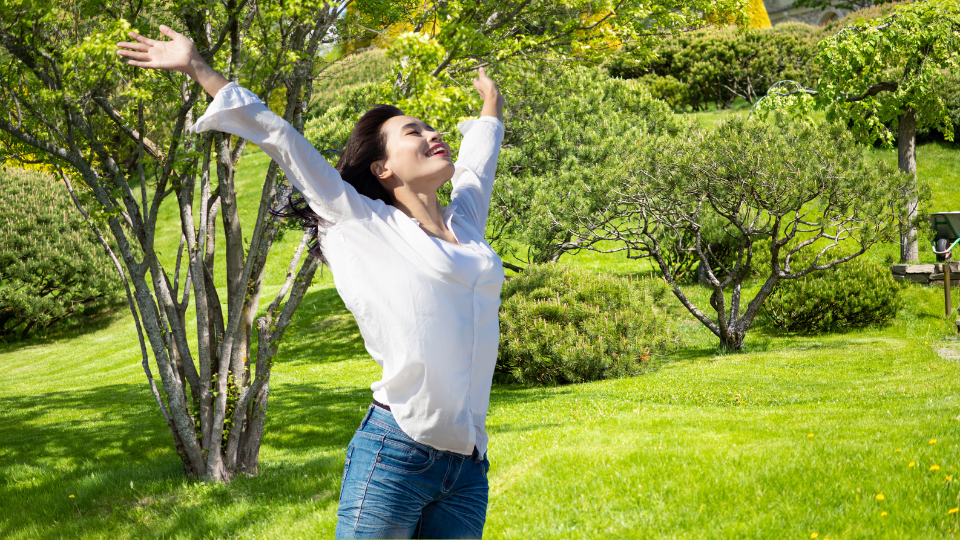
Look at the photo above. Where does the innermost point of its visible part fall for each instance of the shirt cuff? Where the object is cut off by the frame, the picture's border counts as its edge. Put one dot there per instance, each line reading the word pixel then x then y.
pixel 231 96
pixel 464 127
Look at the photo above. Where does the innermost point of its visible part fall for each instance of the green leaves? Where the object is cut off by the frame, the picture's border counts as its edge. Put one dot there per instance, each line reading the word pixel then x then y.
pixel 912 50
pixel 715 66
pixel 50 267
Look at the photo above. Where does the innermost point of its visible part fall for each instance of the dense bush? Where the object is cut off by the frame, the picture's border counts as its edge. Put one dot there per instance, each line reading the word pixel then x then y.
pixel 560 325
pixel 715 66
pixel 50 266
pixel 854 294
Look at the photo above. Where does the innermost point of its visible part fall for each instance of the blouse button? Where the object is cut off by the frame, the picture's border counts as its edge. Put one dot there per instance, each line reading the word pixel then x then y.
pixel 379 458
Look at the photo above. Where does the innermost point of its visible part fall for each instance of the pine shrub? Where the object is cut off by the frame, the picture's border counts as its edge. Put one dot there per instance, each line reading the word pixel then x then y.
pixel 51 266
pixel 560 325
pixel 853 294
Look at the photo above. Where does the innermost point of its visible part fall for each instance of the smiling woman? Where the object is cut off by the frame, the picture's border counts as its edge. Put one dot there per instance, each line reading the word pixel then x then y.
pixel 420 279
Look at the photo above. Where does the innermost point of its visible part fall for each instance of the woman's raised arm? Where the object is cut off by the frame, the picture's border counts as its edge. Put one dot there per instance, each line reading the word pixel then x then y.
pixel 240 112
pixel 178 54
pixel 479 150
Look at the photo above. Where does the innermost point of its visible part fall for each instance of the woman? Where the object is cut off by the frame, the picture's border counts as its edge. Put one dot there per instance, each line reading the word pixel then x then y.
pixel 420 279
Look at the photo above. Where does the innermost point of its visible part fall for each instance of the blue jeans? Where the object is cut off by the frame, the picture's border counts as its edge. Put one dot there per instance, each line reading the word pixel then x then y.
pixel 395 487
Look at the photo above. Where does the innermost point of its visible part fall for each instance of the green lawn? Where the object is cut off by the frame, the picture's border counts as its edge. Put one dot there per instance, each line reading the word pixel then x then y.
pixel 795 436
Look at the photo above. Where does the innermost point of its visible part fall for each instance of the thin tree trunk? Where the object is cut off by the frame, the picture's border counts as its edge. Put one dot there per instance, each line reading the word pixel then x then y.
pixel 907 160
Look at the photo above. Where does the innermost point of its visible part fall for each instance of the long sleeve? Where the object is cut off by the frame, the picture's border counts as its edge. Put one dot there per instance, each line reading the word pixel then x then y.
pixel 240 112
pixel 476 167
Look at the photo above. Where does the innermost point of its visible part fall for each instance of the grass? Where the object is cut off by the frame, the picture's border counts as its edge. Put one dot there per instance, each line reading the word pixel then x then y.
pixel 796 435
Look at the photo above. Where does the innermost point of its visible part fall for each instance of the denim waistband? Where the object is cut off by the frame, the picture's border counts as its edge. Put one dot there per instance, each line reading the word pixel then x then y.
pixel 384 420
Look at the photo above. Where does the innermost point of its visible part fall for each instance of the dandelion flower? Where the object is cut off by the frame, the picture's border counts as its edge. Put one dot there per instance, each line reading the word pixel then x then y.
pixel 810 435
pixel 934 467
pixel 898 450
pixel 882 514
pixel 880 496
pixel 933 441
pixel 953 510
pixel 814 535
pixel 948 478
pixel 912 463
pixel 71 496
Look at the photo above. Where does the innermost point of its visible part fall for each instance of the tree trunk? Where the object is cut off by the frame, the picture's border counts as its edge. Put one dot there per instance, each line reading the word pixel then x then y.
pixel 907 160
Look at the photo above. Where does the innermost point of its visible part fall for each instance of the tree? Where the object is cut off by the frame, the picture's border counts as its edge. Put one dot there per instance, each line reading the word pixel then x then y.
pixel 778 191
pixel 890 72
pixel 120 134
pixel 49 268
pixel 477 33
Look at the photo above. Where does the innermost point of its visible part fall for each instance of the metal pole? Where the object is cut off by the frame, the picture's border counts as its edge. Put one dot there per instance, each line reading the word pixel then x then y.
pixel 946 285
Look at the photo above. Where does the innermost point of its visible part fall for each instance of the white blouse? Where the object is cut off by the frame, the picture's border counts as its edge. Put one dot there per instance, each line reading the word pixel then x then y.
pixel 427 309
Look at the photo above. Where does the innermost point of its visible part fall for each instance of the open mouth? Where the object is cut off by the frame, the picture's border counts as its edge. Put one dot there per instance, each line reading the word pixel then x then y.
pixel 437 150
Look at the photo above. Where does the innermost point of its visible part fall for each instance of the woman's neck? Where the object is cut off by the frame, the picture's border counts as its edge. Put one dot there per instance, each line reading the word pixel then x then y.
pixel 425 208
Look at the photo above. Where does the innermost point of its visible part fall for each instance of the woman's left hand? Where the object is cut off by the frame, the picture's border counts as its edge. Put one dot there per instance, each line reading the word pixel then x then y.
pixel 492 98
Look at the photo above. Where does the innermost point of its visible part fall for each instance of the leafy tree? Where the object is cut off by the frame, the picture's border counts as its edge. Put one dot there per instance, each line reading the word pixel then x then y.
pixel 787 189
pixel 477 33
pixel 120 133
pixel 565 123
pixel 889 72
pixel 50 270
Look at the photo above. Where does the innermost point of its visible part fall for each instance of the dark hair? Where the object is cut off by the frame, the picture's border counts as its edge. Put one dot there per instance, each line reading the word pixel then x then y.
pixel 367 144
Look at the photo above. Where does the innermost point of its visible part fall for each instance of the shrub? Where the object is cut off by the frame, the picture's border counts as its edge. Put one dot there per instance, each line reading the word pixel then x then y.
pixel 51 268
pixel 853 294
pixel 560 325
pixel 719 65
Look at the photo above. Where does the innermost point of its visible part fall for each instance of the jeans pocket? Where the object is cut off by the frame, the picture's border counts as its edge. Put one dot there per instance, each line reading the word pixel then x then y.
pixel 402 456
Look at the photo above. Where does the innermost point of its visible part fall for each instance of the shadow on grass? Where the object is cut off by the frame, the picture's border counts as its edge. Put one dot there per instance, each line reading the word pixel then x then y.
pixel 71 329
pixel 111 449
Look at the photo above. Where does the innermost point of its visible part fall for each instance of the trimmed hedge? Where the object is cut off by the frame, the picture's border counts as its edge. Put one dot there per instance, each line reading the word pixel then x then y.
pixel 714 66
pixel 561 325
pixel 854 294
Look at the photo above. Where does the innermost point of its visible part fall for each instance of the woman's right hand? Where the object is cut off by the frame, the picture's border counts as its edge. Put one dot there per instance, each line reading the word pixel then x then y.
pixel 178 54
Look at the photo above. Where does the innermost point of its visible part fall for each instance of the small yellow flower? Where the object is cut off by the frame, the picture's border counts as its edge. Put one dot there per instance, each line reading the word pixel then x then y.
pixel 912 463
pixel 898 450
pixel 882 514
pixel 948 478
pixel 933 441
pixel 809 435
pixel 934 467
pixel 71 496
pixel 814 535
pixel 953 510
pixel 880 496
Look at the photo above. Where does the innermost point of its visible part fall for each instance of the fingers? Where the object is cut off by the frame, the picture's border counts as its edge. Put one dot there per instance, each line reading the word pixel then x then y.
pixel 169 32
pixel 134 55
pixel 141 39
pixel 133 46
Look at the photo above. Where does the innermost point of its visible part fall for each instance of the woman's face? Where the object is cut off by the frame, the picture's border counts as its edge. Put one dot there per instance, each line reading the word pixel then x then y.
pixel 417 157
